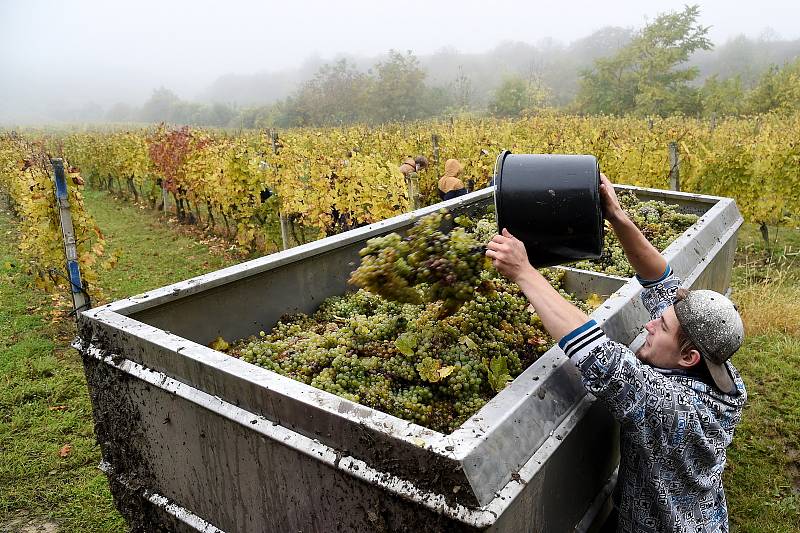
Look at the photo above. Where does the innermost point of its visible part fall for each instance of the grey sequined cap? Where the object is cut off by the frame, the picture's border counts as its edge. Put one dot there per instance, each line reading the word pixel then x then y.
pixel 714 326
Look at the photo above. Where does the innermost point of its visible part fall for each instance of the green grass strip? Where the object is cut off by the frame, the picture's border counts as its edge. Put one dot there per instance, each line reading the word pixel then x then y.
pixel 44 403
pixel 44 407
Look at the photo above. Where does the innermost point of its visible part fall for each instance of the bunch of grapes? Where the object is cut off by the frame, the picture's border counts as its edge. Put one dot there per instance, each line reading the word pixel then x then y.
pixel 435 332
pixel 384 269
pixel 427 265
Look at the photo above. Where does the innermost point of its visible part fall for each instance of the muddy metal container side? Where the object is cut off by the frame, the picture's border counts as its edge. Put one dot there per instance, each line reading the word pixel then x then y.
pixel 194 439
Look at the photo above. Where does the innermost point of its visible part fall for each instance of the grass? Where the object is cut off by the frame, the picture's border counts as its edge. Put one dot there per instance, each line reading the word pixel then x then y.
pixel 151 253
pixel 762 480
pixel 44 403
pixel 44 406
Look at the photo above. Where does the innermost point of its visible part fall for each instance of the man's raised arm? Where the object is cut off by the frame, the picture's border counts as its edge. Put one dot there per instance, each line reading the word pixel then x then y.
pixel 645 259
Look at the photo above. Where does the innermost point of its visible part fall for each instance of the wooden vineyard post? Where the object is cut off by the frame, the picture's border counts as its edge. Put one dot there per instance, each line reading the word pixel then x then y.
pixel 412 184
pixel 674 167
pixel 273 137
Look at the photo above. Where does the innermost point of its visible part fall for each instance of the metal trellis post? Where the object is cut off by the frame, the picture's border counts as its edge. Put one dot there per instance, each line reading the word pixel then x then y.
pixel 80 299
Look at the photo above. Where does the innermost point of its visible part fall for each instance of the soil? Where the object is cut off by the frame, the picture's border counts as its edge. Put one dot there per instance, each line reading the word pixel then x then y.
pixel 28 525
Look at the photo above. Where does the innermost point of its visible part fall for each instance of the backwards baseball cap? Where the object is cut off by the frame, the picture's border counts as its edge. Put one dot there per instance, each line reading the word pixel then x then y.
pixel 714 326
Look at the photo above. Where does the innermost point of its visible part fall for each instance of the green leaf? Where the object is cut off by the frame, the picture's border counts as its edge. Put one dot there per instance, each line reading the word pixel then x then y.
pixel 498 373
pixel 428 369
pixel 406 343
pixel 220 344
pixel 468 342
pixel 446 371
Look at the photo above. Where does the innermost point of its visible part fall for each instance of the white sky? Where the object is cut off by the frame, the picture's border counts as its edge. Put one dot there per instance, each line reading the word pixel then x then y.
pixel 185 44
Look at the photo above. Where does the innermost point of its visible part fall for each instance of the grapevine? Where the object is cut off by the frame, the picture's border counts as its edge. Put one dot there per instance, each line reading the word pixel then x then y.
pixel 327 180
pixel 25 176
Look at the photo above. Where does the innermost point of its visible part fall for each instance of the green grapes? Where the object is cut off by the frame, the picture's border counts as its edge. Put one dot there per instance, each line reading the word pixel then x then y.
pixel 435 331
pixel 427 265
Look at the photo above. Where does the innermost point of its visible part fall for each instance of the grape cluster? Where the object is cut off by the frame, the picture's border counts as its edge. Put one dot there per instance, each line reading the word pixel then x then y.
pixel 384 269
pixel 434 333
pixel 425 266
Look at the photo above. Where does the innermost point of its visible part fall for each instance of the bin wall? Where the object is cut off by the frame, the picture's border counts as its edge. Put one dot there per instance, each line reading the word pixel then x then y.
pixel 189 447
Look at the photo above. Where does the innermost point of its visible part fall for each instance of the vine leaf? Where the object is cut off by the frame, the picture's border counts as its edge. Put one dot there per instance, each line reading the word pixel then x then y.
pixel 429 369
pixel 220 344
pixel 406 343
pixel 498 373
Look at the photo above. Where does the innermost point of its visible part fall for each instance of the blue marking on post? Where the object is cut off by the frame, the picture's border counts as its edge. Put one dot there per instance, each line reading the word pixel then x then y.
pixel 61 183
pixel 74 276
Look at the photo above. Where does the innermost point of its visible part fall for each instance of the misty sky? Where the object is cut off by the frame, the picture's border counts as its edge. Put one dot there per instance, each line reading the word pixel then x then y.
pixel 111 50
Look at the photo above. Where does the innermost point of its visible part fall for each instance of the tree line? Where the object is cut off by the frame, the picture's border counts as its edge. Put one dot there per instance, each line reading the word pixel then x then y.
pixel 652 71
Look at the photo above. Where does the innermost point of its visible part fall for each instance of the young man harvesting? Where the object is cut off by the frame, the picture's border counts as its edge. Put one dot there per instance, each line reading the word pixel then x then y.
pixel 678 399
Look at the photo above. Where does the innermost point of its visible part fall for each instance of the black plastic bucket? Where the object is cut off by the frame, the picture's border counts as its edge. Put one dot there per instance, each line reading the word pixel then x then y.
pixel 552 204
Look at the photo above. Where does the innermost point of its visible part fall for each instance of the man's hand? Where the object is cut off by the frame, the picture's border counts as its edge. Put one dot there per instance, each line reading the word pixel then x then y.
pixel 508 256
pixel 558 316
pixel 611 208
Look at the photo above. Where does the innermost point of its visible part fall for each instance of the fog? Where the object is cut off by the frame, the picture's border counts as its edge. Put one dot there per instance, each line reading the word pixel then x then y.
pixel 89 55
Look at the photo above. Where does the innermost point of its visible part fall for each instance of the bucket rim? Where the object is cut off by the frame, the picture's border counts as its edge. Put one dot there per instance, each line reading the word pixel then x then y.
pixel 498 180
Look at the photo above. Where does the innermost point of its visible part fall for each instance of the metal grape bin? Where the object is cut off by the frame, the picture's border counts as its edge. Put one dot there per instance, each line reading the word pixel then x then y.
pixel 193 439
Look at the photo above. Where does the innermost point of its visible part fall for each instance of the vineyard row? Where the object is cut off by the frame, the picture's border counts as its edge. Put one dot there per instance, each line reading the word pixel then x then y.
pixel 263 185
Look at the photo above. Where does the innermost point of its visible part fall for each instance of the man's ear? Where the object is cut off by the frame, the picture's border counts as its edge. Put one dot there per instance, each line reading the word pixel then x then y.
pixel 689 358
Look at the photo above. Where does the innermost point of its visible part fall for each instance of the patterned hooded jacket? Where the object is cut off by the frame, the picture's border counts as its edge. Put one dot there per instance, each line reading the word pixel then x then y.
pixel 675 428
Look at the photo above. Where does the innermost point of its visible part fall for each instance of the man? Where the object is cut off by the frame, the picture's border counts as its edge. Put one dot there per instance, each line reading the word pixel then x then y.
pixel 450 185
pixel 410 167
pixel 678 399
pixel 413 164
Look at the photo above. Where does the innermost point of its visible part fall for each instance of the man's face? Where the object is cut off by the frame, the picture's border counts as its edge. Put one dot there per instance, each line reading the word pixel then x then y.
pixel 661 348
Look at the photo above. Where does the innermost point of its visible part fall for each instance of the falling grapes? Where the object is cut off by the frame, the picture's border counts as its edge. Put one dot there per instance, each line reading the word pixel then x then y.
pixel 428 265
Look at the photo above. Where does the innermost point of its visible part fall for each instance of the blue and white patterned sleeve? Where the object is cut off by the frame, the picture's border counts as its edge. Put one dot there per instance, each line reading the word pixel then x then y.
pixel 612 373
pixel 659 294
pixel 633 391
